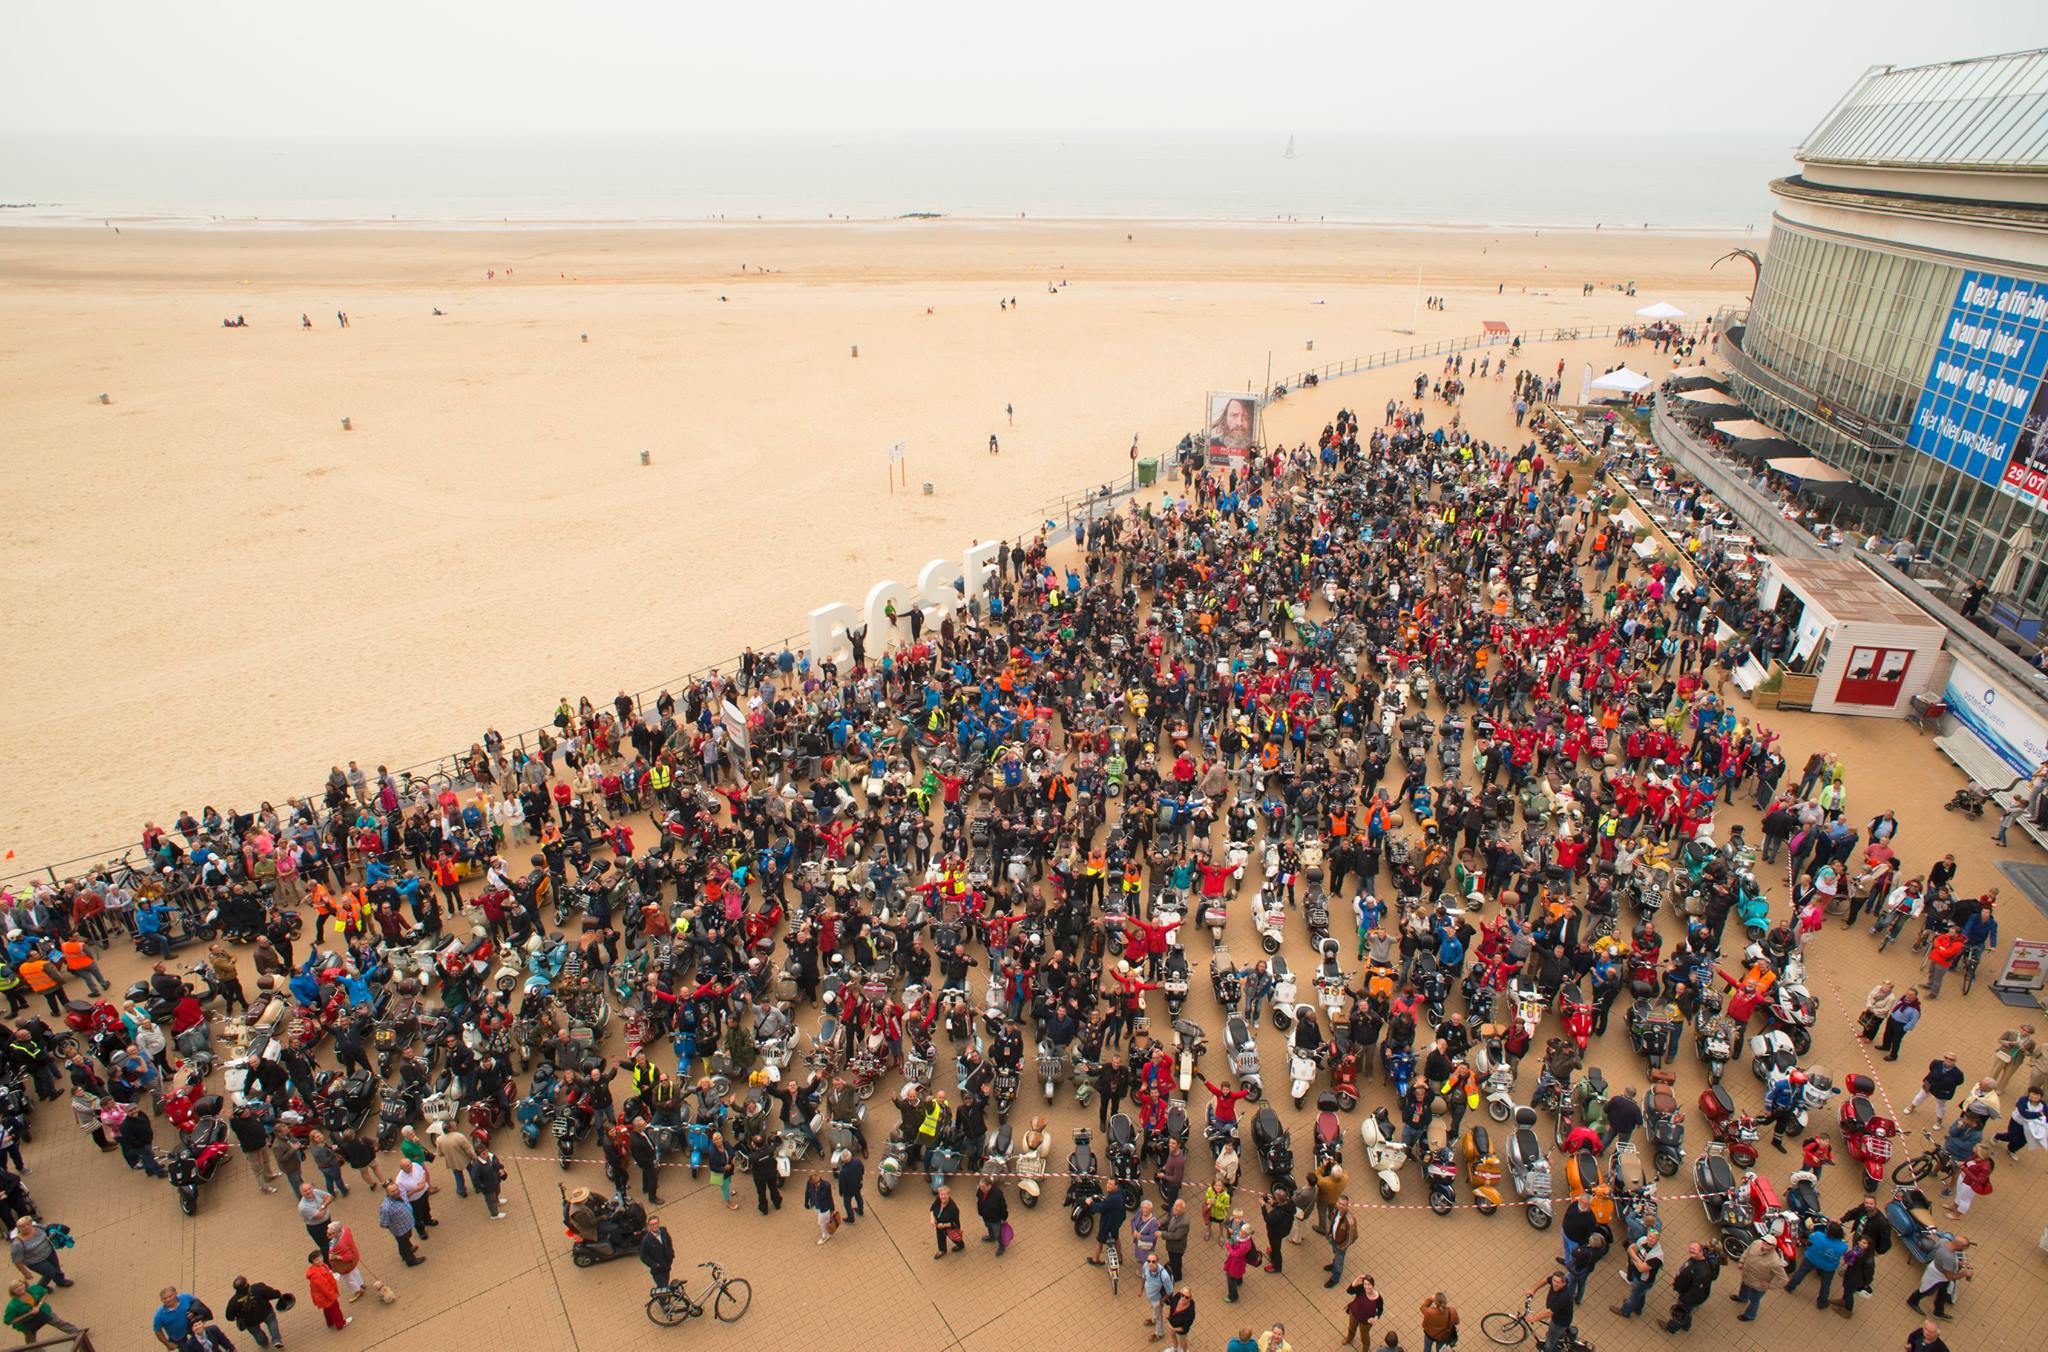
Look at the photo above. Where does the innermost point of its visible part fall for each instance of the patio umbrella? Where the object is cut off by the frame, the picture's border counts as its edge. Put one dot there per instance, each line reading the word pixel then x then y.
pixel 2008 574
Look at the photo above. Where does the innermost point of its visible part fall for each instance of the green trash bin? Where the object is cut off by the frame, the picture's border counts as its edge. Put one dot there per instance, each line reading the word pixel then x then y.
pixel 1148 472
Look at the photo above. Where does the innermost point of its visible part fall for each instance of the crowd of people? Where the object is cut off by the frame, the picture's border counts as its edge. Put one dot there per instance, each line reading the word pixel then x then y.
pixel 1409 681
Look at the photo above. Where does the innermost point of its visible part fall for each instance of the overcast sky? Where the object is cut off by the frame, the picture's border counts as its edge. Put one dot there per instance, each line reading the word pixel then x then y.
pixel 1469 67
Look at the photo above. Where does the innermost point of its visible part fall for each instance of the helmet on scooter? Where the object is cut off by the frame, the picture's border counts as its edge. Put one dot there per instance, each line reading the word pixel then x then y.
pixel 1798 1077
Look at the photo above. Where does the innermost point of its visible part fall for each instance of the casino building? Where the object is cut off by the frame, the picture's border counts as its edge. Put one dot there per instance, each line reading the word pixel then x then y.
pixel 1899 328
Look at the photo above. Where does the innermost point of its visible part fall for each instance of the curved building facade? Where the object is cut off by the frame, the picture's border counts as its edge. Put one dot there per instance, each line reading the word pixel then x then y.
pixel 1899 328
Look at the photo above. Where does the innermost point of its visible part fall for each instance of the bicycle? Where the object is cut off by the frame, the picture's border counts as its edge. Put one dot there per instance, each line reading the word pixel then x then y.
pixel 728 1297
pixel 1114 1263
pixel 1929 1162
pixel 1509 1330
pixel 1971 957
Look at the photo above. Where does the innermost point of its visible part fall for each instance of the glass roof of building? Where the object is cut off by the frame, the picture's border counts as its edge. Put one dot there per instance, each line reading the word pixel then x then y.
pixel 1988 113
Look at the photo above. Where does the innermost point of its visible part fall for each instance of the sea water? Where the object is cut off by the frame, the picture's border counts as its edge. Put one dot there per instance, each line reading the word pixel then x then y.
pixel 1676 181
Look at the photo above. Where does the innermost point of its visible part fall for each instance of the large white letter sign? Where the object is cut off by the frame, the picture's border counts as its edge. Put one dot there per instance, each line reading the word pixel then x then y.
pixel 828 632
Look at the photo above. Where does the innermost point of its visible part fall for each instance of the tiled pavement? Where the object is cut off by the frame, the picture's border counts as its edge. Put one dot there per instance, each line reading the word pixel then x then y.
pixel 510 1284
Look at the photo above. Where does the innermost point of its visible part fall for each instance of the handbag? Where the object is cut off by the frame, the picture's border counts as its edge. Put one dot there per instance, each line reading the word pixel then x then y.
pixel 832 1226
pixel 1008 1235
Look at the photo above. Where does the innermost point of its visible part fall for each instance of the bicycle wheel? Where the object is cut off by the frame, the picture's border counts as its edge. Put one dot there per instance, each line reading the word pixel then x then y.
pixel 735 1294
pixel 666 1309
pixel 1913 1170
pixel 1509 1330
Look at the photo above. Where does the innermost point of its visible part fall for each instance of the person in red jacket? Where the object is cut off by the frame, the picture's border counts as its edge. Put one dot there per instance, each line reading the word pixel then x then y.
pixel 1223 1111
pixel 1131 1006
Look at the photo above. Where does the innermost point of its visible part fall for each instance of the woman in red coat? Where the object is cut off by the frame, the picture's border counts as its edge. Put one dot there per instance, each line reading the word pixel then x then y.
pixel 325 1293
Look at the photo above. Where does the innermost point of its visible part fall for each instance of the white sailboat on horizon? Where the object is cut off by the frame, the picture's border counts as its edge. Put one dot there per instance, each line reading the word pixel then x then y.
pixel 1290 149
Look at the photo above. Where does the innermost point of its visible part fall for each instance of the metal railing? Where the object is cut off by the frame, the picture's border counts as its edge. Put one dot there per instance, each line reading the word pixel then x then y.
pixel 1444 347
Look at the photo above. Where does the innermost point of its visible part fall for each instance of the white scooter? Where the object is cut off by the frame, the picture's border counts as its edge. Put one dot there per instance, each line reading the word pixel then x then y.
pixel 1052 1068
pixel 1215 914
pixel 1301 1067
pixel 1189 1042
pixel 1282 993
pixel 1383 1152
pixel 1269 915
pixel 1030 1162
pixel 1331 985
pixel 1496 1072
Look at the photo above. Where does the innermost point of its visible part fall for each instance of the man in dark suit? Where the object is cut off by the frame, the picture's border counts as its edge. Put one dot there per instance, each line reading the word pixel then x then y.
pixel 658 1251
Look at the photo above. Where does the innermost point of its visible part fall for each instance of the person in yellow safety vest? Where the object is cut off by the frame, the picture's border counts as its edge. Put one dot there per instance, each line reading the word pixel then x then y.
pixel 11 987
pixel 659 777
pixel 934 1121
pixel 1462 1075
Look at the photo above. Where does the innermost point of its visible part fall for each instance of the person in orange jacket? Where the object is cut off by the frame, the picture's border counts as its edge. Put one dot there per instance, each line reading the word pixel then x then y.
pixel 1941 955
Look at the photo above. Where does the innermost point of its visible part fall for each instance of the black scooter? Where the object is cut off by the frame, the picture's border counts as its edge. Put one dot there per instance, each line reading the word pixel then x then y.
pixel 1084 1189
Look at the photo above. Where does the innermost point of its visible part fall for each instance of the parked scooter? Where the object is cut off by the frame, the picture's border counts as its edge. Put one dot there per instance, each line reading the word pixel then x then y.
pixel 1269 1138
pixel 1052 1068
pixel 1329 1130
pixel 1283 992
pixel 1912 1218
pixel 1665 1122
pixel 1866 1134
pixel 1734 1132
pixel 1529 1169
pixel 1030 1163
pixel 197 1158
pixel 1189 1042
pixel 1714 1035
pixel 1440 1168
pixel 1384 1154
pixel 1084 1187
pixel 1269 916
pixel 1302 1069
pixel 1482 1168
pixel 1244 1055
pixel 1121 1144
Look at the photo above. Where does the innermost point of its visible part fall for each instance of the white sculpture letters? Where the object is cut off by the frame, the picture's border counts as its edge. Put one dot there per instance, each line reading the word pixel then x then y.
pixel 936 595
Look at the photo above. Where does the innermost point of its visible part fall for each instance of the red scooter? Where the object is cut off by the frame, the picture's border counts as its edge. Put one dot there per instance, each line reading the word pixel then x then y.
pixel 1730 1128
pixel 1344 1080
pixel 1643 955
pixel 1577 1015
pixel 1866 1134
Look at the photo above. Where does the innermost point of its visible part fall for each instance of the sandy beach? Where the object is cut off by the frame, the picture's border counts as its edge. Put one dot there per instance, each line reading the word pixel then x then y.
pixel 216 592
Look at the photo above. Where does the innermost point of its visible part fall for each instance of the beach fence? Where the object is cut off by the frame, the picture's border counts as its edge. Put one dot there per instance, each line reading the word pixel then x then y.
pixel 1444 347
pixel 1059 517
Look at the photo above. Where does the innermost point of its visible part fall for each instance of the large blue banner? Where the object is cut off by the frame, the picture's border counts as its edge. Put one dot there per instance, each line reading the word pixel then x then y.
pixel 1984 403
